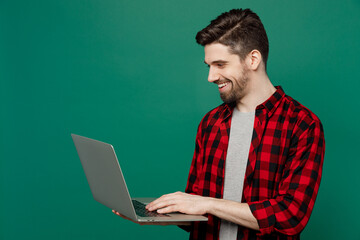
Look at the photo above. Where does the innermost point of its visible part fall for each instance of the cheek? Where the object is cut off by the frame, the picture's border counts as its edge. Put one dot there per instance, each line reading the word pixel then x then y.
pixel 228 74
pixel 233 75
pixel 233 72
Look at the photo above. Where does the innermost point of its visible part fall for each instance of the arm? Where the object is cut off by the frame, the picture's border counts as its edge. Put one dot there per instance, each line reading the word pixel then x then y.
pixel 289 211
pixel 236 212
pixel 192 183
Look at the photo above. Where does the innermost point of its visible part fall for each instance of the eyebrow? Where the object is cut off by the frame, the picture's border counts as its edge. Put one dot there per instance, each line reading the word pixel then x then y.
pixel 216 61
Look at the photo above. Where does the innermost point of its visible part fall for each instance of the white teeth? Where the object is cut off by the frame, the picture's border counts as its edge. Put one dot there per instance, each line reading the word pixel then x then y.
pixel 222 85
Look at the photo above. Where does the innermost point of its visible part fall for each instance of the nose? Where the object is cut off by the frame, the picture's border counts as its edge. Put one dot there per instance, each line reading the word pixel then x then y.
pixel 213 75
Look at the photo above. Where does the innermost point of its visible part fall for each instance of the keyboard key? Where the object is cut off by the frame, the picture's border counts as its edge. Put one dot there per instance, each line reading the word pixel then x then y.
pixel 143 212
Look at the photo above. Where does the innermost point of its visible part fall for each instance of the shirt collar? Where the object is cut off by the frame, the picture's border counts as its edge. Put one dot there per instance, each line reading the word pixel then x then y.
pixel 269 105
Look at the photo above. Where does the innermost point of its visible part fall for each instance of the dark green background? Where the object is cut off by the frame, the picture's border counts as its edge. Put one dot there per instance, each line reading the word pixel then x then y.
pixel 130 73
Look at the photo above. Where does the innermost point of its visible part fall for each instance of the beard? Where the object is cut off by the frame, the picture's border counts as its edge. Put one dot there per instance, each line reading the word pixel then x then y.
pixel 237 88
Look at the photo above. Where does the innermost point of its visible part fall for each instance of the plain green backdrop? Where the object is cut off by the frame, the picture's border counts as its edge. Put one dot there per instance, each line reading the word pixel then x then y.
pixel 130 73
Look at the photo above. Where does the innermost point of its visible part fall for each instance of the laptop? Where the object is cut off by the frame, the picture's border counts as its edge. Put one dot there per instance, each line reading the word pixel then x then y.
pixel 108 185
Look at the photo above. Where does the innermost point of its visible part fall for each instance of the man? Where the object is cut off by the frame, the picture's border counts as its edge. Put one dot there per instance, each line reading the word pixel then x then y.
pixel 258 157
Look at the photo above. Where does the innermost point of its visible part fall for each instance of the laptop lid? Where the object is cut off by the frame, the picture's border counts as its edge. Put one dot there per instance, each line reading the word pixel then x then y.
pixel 104 175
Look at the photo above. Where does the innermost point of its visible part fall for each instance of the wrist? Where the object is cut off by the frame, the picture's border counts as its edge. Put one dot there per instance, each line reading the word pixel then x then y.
pixel 210 206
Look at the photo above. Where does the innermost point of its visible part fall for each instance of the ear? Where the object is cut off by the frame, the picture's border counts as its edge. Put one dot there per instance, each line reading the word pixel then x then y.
pixel 253 60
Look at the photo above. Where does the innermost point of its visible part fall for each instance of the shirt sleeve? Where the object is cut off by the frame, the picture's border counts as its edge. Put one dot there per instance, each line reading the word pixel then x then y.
pixel 289 211
pixel 193 178
pixel 192 186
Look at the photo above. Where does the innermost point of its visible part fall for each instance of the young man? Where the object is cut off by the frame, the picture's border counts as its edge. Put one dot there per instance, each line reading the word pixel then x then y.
pixel 258 157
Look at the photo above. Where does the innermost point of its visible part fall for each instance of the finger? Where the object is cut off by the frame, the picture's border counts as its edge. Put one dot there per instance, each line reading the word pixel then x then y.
pixel 163 204
pixel 167 209
pixel 119 214
pixel 159 200
pixel 167 200
pixel 154 202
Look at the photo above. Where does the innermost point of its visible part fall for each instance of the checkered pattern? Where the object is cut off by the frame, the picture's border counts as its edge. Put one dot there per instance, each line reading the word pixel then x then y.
pixel 283 171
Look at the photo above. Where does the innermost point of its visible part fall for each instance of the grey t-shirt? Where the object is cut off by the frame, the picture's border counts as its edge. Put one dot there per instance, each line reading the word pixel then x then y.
pixel 242 125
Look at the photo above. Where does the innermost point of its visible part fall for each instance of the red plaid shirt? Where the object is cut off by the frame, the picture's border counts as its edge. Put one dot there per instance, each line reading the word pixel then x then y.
pixel 283 171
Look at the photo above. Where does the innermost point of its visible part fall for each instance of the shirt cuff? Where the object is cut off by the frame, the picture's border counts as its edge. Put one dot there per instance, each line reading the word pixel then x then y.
pixel 264 214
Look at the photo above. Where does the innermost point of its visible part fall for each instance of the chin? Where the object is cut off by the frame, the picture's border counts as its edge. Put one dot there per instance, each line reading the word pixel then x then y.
pixel 230 98
pixel 226 100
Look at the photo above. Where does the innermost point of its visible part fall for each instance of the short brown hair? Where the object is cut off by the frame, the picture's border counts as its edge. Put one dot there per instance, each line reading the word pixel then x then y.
pixel 240 29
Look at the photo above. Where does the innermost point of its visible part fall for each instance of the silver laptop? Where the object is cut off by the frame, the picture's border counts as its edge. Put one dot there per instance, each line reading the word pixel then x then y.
pixel 108 185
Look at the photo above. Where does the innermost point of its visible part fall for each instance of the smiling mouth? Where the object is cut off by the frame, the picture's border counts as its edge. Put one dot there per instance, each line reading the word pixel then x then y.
pixel 222 85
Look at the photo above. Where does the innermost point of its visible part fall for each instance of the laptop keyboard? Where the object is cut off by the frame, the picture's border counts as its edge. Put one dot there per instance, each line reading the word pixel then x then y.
pixel 143 212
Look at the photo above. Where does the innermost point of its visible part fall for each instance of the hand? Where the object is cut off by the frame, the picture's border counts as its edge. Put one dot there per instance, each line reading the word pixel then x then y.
pixel 180 202
pixel 119 214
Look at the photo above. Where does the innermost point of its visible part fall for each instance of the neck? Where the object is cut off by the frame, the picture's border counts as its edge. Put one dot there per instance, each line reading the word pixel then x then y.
pixel 257 91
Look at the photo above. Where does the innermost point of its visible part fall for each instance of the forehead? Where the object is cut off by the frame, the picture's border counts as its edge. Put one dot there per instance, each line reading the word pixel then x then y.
pixel 218 51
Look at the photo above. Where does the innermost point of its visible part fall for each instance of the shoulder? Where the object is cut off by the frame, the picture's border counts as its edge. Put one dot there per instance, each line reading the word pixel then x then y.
pixel 299 115
pixel 213 115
